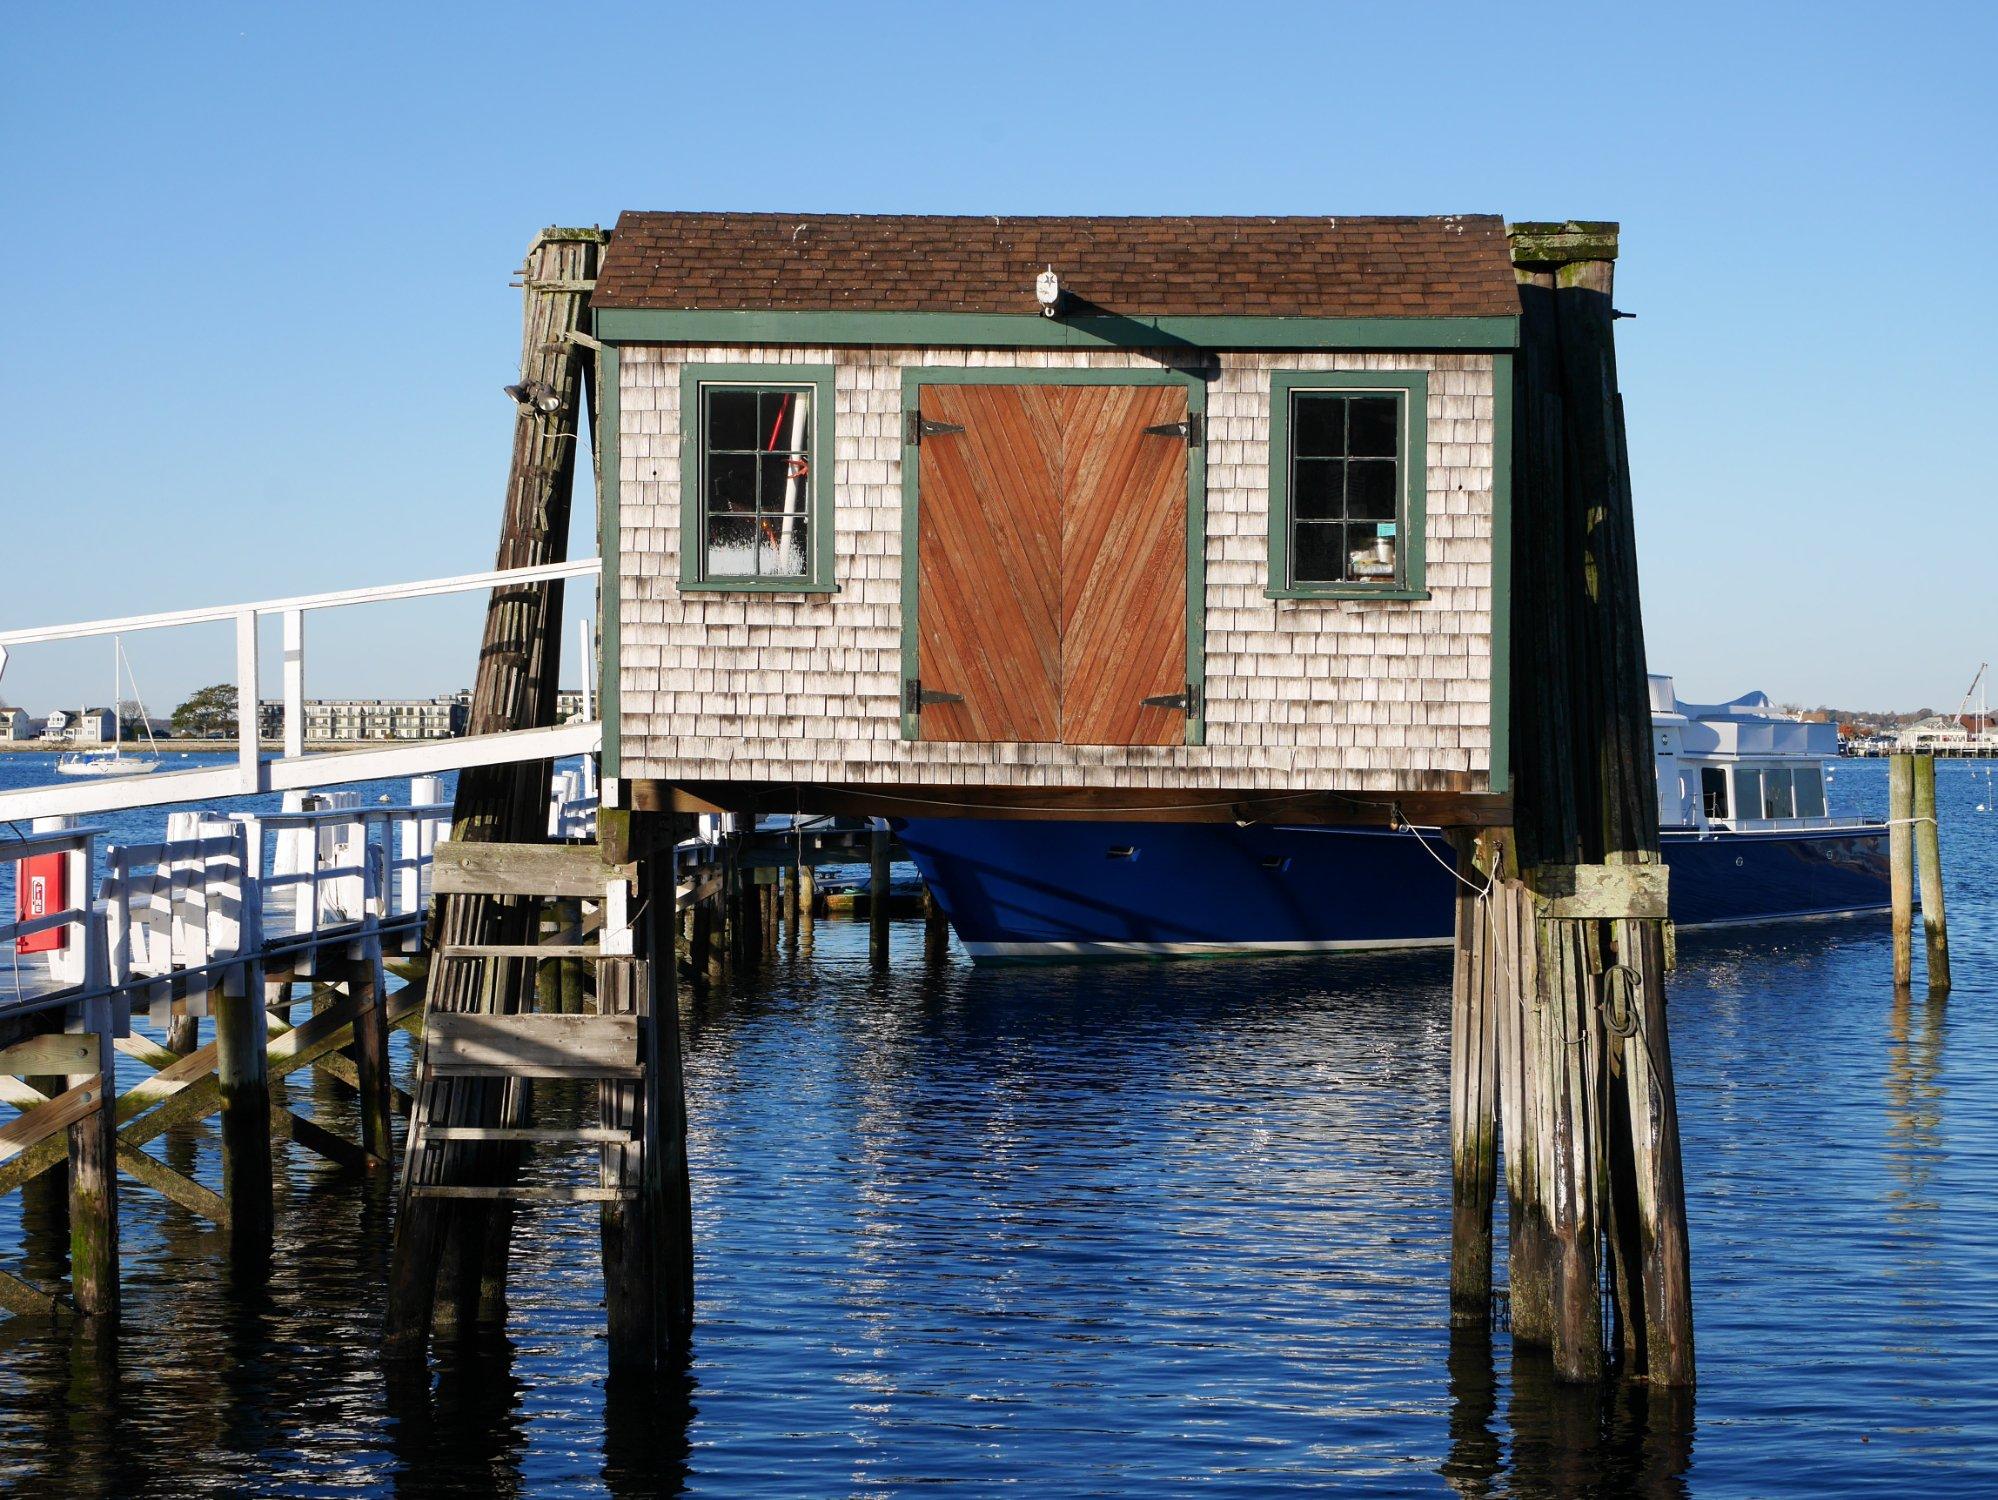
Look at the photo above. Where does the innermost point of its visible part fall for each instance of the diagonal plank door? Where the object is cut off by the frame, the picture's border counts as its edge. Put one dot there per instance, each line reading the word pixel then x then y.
pixel 989 563
pixel 1123 564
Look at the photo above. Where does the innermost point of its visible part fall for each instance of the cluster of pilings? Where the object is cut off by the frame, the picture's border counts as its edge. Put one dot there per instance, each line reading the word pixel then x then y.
pixel 1561 1057
pixel 1914 850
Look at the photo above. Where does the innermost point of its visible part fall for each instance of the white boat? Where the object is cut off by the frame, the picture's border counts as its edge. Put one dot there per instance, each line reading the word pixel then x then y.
pixel 112 760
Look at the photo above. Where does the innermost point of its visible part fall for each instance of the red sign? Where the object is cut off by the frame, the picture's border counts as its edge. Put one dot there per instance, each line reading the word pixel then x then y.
pixel 41 886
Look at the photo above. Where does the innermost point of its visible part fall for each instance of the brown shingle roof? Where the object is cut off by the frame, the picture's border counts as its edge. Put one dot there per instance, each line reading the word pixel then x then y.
pixel 1457 266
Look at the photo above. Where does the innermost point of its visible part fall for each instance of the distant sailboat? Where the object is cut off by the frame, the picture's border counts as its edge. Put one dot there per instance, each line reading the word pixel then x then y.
pixel 112 760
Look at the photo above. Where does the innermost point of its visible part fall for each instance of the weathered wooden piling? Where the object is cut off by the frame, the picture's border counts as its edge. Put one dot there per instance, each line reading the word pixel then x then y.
pixel 1473 1093
pixel 1928 869
pixel 93 1178
pixel 1901 863
pixel 936 930
pixel 243 1078
pixel 515 689
pixel 877 896
pixel 371 1057
pixel 1590 1125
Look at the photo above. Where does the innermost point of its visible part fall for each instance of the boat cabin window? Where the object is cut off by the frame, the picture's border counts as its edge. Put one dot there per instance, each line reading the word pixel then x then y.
pixel 1776 789
pixel 1747 792
pixel 1713 792
pixel 1810 792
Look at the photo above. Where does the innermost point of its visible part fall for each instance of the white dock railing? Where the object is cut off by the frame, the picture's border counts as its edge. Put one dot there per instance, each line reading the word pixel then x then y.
pixel 221 893
pixel 294 769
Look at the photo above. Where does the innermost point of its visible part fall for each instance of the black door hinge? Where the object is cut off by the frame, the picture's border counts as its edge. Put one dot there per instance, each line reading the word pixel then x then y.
pixel 1189 429
pixel 915 696
pixel 917 427
pixel 1187 702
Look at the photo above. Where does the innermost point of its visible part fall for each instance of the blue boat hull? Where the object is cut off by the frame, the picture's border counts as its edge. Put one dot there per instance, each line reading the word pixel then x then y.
pixel 1048 889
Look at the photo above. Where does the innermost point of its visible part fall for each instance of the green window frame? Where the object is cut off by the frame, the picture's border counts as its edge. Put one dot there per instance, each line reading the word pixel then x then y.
pixel 698 454
pixel 1410 391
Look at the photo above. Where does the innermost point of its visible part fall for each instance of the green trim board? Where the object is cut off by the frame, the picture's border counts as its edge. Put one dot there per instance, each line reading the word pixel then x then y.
pixel 915 377
pixel 610 581
pixel 693 376
pixel 636 325
pixel 1412 518
pixel 1501 592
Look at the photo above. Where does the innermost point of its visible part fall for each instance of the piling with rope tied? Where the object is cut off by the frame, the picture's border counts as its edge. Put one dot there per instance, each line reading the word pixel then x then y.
pixel 1901 863
pixel 1928 870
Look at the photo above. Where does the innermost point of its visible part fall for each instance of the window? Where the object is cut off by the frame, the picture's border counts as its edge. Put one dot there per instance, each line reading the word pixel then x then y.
pixel 1713 792
pixel 1347 484
pixel 1776 793
pixel 756 494
pixel 1747 792
pixel 1810 792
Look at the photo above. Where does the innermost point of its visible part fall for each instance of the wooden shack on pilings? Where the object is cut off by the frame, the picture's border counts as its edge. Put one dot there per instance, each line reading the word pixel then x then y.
pixel 1248 519
pixel 1185 519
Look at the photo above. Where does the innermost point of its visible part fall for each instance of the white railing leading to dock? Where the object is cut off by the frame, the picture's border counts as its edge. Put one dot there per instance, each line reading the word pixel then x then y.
pixel 294 769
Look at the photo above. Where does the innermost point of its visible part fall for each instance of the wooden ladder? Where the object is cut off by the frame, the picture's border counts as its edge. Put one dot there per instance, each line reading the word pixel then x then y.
pixel 512 1048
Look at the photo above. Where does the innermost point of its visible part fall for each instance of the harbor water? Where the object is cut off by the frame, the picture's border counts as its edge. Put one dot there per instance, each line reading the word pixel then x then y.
pixel 1111 1229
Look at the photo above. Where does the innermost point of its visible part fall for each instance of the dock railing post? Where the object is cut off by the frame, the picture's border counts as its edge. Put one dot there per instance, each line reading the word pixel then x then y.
pixel 93 1172
pixel 1928 869
pixel 1901 862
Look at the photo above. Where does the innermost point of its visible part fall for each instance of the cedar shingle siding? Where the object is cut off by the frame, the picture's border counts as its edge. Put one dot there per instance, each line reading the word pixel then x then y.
pixel 1456 266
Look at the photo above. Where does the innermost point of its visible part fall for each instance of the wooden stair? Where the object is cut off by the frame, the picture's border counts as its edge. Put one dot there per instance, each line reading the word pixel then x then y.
pixel 513 1048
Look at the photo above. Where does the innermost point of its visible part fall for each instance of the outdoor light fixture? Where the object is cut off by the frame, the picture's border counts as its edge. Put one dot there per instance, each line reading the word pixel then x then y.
pixel 1047 287
pixel 537 394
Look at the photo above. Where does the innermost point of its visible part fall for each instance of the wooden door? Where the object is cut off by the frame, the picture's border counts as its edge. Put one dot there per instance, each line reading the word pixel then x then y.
pixel 1123 564
pixel 1051 563
pixel 989 563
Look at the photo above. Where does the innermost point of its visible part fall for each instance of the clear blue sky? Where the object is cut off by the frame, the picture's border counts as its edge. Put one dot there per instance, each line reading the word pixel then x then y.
pixel 259 316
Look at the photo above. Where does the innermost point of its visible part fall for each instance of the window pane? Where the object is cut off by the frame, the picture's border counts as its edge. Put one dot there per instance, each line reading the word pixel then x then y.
pixel 1713 791
pixel 1810 792
pixel 1776 793
pixel 1317 552
pixel 1747 792
pixel 1374 429
pixel 784 548
pixel 731 418
pixel 1315 487
pixel 1370 552
pixel 1317 425
pixel 732 547
pixel 784 487
pixel 731 483
pixel 1370 490
pixel 784 421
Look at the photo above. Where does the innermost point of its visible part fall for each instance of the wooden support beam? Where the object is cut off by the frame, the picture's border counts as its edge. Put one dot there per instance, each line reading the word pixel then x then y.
pixel 537 870
pixel 288 1125
pixel 164 1180
pixel 1457 799
pixel 53 1052
pixel 25 1300
pixel 1928 867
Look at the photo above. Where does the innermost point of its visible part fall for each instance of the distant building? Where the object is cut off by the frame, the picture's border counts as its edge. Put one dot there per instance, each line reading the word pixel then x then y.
pixel 336 719
pixel 568 703
pixel 83 726
pixel 15 724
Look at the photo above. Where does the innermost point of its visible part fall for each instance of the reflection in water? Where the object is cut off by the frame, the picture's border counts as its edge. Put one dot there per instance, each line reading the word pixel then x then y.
pixel 1104 1230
